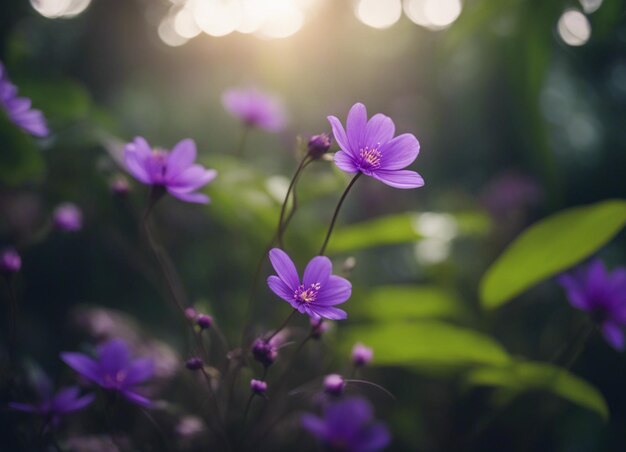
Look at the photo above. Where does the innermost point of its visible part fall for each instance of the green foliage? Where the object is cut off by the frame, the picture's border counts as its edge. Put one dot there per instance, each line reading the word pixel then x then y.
pixel 400 228
pixel 549 247
pixel 408 302
pixel 20 159
pixel 519 377
pixel 427 345
pixel 61 101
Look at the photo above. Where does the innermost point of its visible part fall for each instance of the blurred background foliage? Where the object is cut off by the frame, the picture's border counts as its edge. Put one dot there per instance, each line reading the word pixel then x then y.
pixel 515 126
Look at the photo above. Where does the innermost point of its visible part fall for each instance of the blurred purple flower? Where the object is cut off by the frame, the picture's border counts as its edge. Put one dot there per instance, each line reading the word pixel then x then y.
pixel 361 355
pixel 68 217
pixel 114 369
pixel 50 405
pixel 370 148
pixel 18 109
pixel 10 261
pixel 255 108
pixel 348 425
pixel 266 351
pixel 319 290
pixel 175 171
pixel 258 386
pixel 603 295
pixel 334 384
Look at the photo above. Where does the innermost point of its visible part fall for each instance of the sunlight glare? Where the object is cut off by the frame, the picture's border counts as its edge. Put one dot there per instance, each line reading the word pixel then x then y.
pixel 379 13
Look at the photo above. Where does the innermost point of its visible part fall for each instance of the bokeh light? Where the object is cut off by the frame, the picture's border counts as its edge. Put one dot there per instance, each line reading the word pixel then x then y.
pixel 217 17
pixel 168 33
pixel 185 24
pixel 60 8
pixel 379 13
pixel 433 14
pixel 283 19
pixel 590 6
pixel 574 28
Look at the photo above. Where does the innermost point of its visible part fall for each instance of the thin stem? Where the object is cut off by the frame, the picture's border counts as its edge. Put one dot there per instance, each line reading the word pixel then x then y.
pixel 283 325
pixel 12 319
pixel 281 227
pixel 332 222
pixel 243 140
pixel 248 404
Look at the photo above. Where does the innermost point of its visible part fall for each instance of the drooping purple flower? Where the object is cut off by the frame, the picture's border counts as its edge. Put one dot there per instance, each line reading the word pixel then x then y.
pixel 50 405
pixel 361 355
pixel 114 369
pixel 18 109
pixel 318 292
pixel 369 147
pixel 10 261
pixel 68 217
pixel 255 108
pixel 174 171
pixel 602 294
pixel 348 425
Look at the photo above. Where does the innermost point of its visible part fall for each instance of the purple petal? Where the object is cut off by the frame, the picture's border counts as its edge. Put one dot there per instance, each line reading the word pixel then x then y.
pixel 575 293
pixel 372 438
pixel 345 163
pixel 327 312
pixel 196 198
pixel 337 290
pixel 114 356
pixel 139 371
pixel 314 425
pixel 349 415
pixel 135 166
pixel 399 179
pixel 191 179
pixel 355 126
pixel 137 399
pixel 26 408
pixel 399 152
pixel 317 271
pixel 339 133
pixel 181 157
pixel 379 130
pixel 84 365
pixel 141 147
pixel 67 400
pixel 614 335
pixel 280 288
pixel 285 268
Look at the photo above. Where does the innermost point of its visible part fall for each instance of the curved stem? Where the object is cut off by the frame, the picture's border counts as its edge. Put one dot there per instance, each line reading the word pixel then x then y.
pixel 334 219
pixel 242 141
pixel 281 227
pixel 282 325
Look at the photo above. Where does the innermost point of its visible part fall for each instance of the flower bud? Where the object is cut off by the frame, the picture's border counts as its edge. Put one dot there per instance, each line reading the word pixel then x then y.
pixel 263 352
pixel 204 321
pixel 318 145
pixel 334 384
pixel 119 186
pixel 190 313
pixel 361 355
pixel 194 363
pixel 258 386
pixel 68 217
pixel 10 261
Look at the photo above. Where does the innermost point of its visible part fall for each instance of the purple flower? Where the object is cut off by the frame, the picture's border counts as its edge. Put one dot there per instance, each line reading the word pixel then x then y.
pixel 53 406
pixel 204 321
pixel 361 355
pixel 318 145
pixel 348 425
pixel 258 386
pixel 175 171
pixel 593 289
pixel 10 261
pixel 18 108
pixel 255 109
pixel 334 384
pixel 319 290
pixel 266 351
pixel 68 217
pixel 370 148
pixel 114 369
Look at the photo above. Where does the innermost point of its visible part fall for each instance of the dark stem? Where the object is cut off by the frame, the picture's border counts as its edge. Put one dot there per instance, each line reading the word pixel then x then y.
pixel 283 325
pixel 281 226
pixel 248 404
pixel 13 320
pixel 332 222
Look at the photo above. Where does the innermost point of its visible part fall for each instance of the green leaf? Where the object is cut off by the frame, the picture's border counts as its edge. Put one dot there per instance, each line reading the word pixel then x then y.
pixel 549 247
pixel 427 345
pixel 20 159
pixel 533 376
pixel 408 302
pixel 406 227
pixel 60 101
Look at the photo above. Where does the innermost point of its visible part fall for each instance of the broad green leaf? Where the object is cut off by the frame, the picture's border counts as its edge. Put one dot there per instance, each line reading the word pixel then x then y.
pixel 533 376
pixel 549 247
pixel 20 159
pixel 407 227
pixel 427 345
pixel 408 302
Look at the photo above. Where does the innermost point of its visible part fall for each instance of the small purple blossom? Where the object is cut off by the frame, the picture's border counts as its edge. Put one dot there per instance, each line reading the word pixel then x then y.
pixel 68 217
pixel 50 405
pixel 265 351
pixel 258 386
pixel 174 171
pixel 602 294
pixel 361 355
pixel 194 363
pixel 318 145
pixel 255 108
pixel 369 147
pixel 18 109
pixel 190 314
pixel 334 384
pixel 317 293
pixel 204 321
pixel 10 261
pixel 348 425
pixel 114 369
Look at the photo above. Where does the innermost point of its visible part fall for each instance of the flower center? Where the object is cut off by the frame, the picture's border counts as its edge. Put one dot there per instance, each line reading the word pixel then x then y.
pixel 117 379
pixel 158 162
pixel 306 295
pixel 369 158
